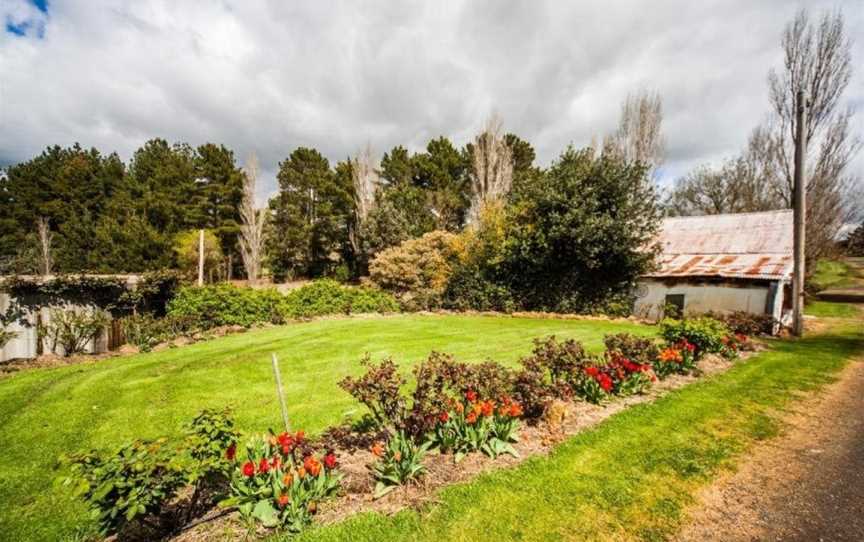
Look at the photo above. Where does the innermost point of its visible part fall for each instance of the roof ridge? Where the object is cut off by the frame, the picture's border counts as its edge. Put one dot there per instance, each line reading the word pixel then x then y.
pixel 775 211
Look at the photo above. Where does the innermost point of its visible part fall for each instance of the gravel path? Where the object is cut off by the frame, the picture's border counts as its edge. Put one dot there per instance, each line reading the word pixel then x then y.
pixel 807 484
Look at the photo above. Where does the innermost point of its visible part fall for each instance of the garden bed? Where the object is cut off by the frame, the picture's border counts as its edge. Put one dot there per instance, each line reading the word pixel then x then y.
pixel 284 481
pixel 534 440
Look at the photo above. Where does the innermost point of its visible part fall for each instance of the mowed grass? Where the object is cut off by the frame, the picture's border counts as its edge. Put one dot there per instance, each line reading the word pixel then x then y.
pixel 830 309
pixel 45 413
pixel 838 274
pixel 634 476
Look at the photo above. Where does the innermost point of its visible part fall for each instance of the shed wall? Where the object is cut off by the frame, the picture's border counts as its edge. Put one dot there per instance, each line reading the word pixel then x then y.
pixel 700 298
pixel 25 343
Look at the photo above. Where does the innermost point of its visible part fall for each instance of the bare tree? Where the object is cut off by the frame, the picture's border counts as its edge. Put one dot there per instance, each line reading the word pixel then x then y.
pixel 817 60
pixel 366 180
pixel 252 222
pixel 43 228
pixel 740 185
pixel 639 136
pixel 491 167
pixel 703 191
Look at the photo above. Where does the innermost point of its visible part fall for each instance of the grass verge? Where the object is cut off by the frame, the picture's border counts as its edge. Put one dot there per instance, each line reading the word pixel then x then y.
pixel 834 274
pixel 633 477
pixel 830 309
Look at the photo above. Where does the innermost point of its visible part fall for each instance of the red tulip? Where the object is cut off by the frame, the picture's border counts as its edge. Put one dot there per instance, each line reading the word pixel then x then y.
pixel 330 460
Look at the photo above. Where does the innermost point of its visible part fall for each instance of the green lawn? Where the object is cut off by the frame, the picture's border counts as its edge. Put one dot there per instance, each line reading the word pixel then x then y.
pixel 836 274
pixel 830 309
pixel 633 477
pixel 44 413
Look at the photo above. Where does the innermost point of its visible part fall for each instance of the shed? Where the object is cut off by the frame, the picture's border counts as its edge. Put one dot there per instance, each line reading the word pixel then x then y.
pixel 721 263
pixel 27 302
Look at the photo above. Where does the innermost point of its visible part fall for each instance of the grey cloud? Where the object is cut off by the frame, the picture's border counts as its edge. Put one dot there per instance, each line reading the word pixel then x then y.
pixel 270 76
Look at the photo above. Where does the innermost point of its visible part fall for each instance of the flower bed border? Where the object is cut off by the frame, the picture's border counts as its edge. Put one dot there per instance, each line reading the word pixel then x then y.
pixel 534 441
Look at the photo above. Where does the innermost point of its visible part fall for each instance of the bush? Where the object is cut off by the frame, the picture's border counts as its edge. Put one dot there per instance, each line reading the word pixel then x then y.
pixel 439 381
pixel 282 480
pixel 145 331
pixel 132 484
pixel 747 323
pixel 227 305
pixel 321 297
pixel 326 296
pixel 640 350
pixel 705 334
pixel 135 483
pixel 367 300
pixel 532 390
pixel 73 329
pixel 418 270
pixel 577 238
pixel 211 440
pixel 554 370
pixel 379 391
pixel 469 289
pixel 475 283
pixel 224 304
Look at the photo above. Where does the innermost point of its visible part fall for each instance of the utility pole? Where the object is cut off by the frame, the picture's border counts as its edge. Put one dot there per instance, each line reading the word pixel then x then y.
pixel 799 216
pixel 200 257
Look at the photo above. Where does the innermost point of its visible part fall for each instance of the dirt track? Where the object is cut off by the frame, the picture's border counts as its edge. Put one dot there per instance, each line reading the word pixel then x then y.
pixel 806 485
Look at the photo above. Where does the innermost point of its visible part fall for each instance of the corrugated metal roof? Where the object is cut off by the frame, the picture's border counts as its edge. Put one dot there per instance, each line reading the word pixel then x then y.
pixel 747 245
pixel 755 266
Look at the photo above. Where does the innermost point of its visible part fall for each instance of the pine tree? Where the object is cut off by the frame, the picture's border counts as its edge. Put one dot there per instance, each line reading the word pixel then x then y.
pixel 309 216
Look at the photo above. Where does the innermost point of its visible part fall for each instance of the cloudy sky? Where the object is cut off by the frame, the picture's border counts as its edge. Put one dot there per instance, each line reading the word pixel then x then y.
pixel 270 76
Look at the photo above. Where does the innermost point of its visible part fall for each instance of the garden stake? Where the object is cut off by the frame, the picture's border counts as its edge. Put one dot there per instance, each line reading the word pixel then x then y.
pixel 280 393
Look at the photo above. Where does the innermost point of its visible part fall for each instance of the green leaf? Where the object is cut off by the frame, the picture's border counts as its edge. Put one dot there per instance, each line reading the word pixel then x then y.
pixel 102 491
pixel 229 502
pixel 266 514
pixel 382 489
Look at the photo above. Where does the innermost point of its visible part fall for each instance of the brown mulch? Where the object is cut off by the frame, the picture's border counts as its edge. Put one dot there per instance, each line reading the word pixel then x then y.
pixel 441 471
pixel 807 484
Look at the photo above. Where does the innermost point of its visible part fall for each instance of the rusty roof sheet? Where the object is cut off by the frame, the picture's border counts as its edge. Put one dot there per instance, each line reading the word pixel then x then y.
pixel 747 245
pixel 752 266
